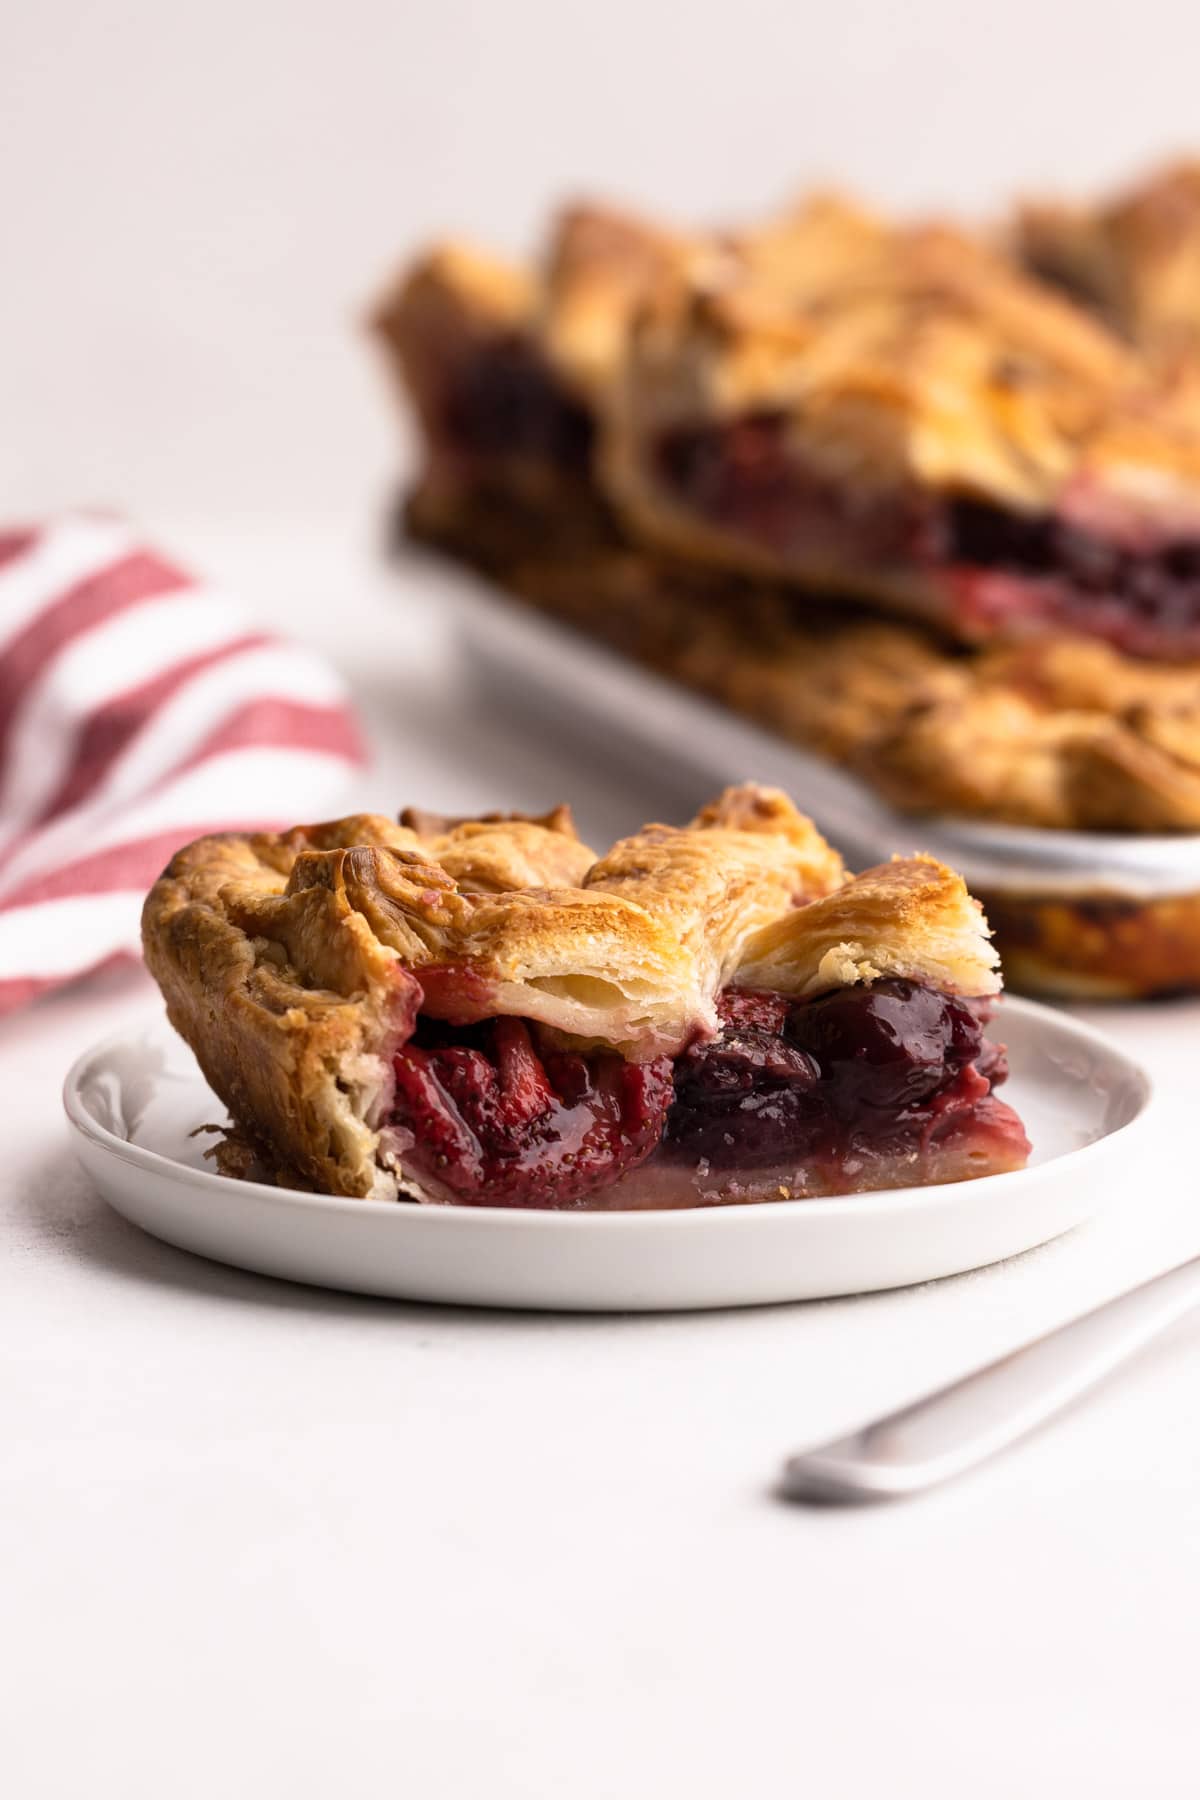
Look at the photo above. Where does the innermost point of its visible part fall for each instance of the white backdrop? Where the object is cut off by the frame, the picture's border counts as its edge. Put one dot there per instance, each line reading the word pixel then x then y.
pixel 332 1545
pixel 196 200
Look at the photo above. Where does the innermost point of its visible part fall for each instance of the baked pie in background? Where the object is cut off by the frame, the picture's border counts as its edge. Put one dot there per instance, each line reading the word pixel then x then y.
pixel 484 1012
pixel 879 489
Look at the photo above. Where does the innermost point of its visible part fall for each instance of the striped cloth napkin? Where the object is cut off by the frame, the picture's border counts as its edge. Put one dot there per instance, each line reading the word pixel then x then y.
pixel 138 709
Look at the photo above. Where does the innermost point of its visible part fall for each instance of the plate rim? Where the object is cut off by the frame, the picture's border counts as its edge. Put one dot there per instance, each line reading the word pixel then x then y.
pixel 884 1202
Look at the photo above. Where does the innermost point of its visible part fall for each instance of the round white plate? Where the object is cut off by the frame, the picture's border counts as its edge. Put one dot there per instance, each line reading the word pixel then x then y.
pixel 135 1101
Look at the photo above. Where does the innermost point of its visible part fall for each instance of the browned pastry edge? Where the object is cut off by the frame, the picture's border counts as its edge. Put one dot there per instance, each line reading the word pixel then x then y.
pixel 1100 948
pixel 297 1058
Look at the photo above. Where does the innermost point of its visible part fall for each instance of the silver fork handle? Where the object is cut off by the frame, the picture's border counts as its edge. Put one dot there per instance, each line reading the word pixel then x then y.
pixel 957 1427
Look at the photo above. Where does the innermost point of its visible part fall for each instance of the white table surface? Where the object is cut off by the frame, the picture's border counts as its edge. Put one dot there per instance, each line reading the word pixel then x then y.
pixel 261 1539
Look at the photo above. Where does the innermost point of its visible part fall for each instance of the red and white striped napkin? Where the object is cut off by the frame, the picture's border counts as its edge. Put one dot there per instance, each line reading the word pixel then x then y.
pixel 139 709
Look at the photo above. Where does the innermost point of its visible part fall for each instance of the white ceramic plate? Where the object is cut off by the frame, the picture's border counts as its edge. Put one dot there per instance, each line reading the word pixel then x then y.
pixel 134 1102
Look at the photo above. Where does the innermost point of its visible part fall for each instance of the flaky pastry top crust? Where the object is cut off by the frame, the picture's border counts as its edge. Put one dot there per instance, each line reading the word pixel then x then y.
pixel 911 917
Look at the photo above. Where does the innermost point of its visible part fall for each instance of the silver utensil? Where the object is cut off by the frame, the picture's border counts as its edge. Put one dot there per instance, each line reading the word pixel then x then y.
pixel 957 1427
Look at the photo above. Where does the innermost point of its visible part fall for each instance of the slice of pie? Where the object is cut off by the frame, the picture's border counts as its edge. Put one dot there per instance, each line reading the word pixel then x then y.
pixel 481 1012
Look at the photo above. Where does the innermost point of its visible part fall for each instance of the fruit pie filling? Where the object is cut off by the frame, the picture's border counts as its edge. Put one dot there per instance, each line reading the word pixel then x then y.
pixel 864 1087
pixel 1137 587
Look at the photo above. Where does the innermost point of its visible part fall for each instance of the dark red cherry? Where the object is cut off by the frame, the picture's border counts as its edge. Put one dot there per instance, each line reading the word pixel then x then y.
pixel 888 1046
pixel 747 1096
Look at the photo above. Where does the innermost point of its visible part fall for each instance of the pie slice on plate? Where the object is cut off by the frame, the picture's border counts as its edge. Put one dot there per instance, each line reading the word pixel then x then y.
pixel 482 1012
